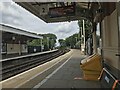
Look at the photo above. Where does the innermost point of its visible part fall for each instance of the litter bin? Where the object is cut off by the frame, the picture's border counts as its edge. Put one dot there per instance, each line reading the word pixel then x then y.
pixel 91 67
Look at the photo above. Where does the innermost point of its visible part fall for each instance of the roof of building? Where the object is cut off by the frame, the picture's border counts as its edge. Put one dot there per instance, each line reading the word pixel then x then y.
pixel 18 31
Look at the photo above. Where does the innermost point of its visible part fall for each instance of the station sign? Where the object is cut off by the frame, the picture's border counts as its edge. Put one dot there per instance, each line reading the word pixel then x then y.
pixel 61 11
pixel 43 9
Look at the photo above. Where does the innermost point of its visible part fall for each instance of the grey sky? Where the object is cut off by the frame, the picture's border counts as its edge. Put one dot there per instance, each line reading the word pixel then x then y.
pixel 16 16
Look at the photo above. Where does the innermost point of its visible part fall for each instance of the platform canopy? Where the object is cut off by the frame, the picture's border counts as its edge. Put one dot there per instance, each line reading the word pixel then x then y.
pixel 58 11
pixel 15 35
pixel 67 11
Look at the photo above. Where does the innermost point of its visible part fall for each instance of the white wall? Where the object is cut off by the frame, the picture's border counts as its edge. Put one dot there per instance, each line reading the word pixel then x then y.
pixel 15 48
pixel 110 39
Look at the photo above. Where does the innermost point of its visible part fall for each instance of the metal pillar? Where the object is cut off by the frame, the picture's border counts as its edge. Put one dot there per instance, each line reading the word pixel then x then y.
pixel 94 39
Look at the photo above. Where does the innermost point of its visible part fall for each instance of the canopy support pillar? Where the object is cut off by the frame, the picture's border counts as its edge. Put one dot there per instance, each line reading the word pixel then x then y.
pixel 94 39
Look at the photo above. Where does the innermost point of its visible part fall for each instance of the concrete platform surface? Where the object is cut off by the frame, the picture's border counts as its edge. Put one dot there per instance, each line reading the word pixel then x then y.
pixel 68 75
pixel 62 72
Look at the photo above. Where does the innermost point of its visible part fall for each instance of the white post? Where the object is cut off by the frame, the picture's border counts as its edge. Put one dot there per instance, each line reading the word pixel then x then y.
pixel 82 46
pixel 84 31
pixel 84 34
pixel 1 55
pixel 81 35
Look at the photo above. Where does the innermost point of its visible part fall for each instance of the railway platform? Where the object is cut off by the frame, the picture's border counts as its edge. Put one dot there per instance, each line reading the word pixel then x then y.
pixel 68 75
pixel 62 72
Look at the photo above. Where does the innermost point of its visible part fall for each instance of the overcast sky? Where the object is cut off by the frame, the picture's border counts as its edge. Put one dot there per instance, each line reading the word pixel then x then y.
pixel 16 16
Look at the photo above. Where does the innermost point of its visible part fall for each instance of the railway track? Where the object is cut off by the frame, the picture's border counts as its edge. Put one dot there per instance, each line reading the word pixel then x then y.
pixel 14 67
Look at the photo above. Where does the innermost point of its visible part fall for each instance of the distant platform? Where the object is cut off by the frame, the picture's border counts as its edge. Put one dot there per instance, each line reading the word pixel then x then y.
pixel 28 55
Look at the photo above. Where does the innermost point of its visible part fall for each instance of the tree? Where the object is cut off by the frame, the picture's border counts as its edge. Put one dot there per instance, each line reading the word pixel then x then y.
pixel 88 27
pixel 72 40
pixel 62 42
pixel 34 42
pixel 48 41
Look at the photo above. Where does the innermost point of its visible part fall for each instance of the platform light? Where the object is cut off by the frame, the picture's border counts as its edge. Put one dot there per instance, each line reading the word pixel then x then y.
pixel 13 38
pixel 82 36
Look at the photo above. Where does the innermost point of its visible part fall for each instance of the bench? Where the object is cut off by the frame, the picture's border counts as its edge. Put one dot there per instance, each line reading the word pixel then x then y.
pixel 91 67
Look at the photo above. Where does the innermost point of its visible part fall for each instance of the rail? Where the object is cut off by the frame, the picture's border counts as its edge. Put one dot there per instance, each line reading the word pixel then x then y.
pixel 16 66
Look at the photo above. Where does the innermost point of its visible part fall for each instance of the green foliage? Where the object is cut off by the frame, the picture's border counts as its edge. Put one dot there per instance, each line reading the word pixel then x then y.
pixel 35 42
pixel 88 27
pixel 72 40
pixel 62 42
pixel 78 44
pixel 48 41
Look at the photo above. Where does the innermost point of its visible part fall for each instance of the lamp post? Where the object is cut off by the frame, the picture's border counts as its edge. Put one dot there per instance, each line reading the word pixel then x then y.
pixel 79 37
pixel 84 31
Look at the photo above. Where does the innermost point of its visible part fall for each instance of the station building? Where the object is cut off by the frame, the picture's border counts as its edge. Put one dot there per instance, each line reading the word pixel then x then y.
pixel 14 41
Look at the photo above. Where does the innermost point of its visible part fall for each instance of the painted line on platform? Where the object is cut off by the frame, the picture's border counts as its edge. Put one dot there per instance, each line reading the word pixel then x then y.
pixel 45 69
pixel 25 72
pixel 50 75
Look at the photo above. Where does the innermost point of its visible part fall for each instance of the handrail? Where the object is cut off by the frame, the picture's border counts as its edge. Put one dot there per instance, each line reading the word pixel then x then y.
pixel 117 54
pixel 109 73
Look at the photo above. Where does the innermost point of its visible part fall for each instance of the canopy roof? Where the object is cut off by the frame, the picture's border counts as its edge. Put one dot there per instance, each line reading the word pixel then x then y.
pixel 10 34
pixel 68 11
pixel 58 11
